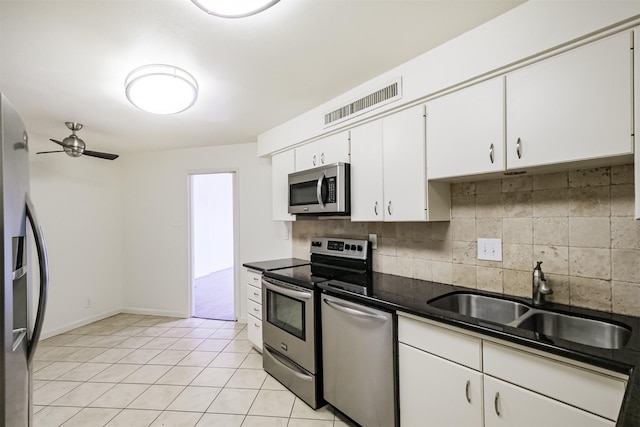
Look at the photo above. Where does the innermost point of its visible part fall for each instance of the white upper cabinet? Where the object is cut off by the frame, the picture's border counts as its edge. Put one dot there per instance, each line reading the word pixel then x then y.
pixel 388 172
pixel 366 172
pixel 282 164
pixel 404 153
pixel 465 131
pixel 332 149
pixel 636 163
pixel 572 107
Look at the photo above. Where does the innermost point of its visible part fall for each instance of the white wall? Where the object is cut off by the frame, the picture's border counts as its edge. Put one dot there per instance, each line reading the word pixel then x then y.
pixel 78 203
pixel 522 32
pixel 156 241
pixel 212 222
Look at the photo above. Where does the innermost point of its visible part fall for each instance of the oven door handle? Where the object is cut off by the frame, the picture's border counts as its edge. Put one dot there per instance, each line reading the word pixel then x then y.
pixel 285 291
pixel 287 366
pixel 319 191
pixel 352 311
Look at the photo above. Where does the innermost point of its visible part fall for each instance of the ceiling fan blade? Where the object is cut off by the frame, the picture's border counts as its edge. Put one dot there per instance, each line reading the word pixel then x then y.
pixel 57 142
pixel 47 152
pixel 100 155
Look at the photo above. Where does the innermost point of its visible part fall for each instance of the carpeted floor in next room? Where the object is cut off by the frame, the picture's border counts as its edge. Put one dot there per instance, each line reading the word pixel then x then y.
pixel 132 370
pixel 214 297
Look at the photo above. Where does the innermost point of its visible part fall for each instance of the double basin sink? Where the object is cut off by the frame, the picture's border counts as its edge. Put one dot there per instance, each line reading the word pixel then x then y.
pixel 582 330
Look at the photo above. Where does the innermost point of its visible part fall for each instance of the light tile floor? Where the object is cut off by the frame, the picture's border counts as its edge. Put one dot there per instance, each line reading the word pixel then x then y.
pixel 132 370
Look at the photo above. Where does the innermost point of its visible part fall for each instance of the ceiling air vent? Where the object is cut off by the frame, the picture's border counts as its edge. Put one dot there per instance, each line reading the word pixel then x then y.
pixel 367 103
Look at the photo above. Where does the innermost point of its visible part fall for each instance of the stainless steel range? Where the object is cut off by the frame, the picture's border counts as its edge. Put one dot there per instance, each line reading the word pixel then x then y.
pixel 291 312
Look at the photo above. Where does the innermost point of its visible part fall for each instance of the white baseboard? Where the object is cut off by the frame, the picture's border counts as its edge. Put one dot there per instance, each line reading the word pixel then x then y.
pixel 152 312
pixel 70 326
pixel 128 310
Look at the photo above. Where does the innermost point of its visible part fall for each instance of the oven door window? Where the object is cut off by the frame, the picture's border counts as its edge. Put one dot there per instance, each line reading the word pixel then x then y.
pixel 286 313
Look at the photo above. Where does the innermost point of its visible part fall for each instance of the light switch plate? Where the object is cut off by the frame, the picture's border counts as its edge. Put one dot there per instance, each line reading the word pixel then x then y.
pixel 490 249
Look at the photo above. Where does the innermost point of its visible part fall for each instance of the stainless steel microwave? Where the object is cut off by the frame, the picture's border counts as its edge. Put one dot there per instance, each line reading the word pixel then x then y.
pixel 324 190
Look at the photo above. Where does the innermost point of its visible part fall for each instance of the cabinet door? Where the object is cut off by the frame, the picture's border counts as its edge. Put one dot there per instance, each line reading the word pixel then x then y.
pixel 510 405
pixel 403 149
pixel 366 172
pixel 334 148
pixel 437 392
pixel 254 332
pixel 574 106
pixel 306 157
pixel 465 131
pixel 282 165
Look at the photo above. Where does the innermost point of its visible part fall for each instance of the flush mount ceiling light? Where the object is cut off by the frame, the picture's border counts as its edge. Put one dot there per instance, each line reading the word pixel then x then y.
pixel 161 89
pixel 234 8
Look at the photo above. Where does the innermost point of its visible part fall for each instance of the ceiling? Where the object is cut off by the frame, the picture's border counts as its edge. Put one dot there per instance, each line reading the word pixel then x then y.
pixel 66 60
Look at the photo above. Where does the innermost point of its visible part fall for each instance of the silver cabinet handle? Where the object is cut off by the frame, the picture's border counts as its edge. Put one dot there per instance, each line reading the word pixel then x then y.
pixel 255 309
pixel 491 153
pixel 314 160
pixel 255 279
pixel 389 208
pixel 319 191
pixel 43 267
pixel 519 148
pixel 495 404
pixel 256 325
pixel 467 391
pixel 348 310
pixel 375 208
pixel 322 158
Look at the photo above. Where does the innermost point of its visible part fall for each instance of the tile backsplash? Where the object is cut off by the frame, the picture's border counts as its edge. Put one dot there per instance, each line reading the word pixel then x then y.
pixel 580 224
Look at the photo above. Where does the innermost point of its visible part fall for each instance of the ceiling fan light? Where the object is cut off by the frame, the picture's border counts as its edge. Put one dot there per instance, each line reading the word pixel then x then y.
pixel 234 8
pixel 161 89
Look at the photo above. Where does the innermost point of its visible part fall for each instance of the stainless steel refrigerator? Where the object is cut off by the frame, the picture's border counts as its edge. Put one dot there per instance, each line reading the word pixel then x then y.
pixel 18 338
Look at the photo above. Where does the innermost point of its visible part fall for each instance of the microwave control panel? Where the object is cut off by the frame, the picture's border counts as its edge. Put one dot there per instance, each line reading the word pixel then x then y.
pixel 331 190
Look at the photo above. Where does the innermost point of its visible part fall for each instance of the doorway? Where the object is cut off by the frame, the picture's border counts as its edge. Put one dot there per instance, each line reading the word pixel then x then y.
pixel 213 245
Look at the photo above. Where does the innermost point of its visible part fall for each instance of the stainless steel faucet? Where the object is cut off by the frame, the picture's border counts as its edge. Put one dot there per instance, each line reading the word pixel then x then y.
pixel 540 287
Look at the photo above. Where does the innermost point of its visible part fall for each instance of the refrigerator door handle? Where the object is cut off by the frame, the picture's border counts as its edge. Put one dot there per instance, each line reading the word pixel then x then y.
pixel 43 266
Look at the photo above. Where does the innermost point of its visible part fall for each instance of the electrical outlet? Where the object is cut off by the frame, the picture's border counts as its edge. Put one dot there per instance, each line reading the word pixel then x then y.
pixel 490 249
pixel 373 238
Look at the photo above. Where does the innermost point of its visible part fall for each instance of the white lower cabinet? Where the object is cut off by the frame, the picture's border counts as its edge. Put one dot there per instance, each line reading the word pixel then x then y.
pixel 437 392
pixel 254 307
pixel 442 382
pixel 507 405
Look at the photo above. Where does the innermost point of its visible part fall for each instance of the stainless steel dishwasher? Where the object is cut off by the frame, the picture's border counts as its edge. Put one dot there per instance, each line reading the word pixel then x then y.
pixel 358 360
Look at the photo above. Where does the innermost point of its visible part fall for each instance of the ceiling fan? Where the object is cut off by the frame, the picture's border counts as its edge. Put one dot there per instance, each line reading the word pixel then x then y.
pixel 75 147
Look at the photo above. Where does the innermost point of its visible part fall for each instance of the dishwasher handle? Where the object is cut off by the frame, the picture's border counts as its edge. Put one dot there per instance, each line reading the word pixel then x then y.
pixel 342 307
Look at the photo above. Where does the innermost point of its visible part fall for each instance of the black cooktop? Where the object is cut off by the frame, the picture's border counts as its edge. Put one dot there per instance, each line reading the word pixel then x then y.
pixel 299 276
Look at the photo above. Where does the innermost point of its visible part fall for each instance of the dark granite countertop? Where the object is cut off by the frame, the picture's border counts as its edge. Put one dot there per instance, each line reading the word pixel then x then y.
pixel 411 296
pixel 275 264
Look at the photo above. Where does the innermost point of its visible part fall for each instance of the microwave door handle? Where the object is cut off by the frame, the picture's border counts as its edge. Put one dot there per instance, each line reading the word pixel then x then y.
pixel 319 191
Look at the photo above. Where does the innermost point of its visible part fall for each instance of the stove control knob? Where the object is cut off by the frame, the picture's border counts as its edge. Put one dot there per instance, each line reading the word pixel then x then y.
pixel 347 247
pixel 360 248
